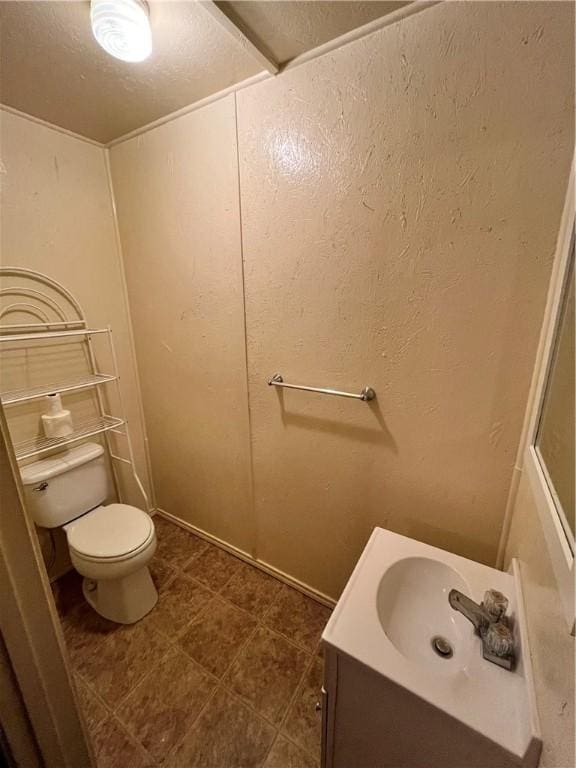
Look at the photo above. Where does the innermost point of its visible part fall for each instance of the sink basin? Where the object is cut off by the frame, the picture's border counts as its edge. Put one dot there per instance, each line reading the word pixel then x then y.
pixel 426 702
pixel 413 608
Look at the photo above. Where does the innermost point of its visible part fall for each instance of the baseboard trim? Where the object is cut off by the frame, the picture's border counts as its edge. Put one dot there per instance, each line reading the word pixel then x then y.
pixel 266 567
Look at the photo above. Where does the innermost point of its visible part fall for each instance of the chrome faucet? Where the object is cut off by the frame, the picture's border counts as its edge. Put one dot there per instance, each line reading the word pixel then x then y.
pixel 491 624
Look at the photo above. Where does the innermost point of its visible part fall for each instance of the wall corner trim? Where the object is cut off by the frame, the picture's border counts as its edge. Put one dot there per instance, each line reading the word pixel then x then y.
pixel 50 126
pixel 355 34
pixel 124 286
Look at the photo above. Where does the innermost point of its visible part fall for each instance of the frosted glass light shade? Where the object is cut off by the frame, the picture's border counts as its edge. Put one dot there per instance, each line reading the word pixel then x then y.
pixel 122 28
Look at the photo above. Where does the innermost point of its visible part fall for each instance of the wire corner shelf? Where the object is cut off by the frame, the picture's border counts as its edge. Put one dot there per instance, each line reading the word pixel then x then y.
pixel 26 449
pixel 72 385
pixel 45 311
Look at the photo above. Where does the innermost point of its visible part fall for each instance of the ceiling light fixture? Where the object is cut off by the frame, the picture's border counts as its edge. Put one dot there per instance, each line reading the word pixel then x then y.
pixel 122 28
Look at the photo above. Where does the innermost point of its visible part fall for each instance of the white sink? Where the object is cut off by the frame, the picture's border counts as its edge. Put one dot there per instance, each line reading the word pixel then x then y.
pixel 395 604
pixel 413 607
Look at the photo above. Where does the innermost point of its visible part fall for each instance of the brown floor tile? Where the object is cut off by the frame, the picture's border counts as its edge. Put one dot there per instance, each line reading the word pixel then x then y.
pixel 298 617
pixel 303 724
pixel 122 660
pixel 226 735
pixel 214 638
pixel 163 526
pixel 175 545
pixel 284 754
pixel 214 567
pixel 163 707
pixel 114 748
pixel 84 631
pixel 177 605
pixel 92 708
pixel 161 692
pixel 67 593
pixel 161 573
pixel 251 589
pixel 267 673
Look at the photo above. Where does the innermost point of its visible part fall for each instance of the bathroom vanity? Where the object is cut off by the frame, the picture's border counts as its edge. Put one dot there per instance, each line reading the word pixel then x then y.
pixel 406 684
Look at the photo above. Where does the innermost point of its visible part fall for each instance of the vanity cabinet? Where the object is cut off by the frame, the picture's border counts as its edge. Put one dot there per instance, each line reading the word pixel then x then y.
pixel 370 722
pixel 391 699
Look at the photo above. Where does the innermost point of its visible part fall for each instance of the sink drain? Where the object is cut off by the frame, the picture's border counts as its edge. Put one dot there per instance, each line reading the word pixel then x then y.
pixel 442 647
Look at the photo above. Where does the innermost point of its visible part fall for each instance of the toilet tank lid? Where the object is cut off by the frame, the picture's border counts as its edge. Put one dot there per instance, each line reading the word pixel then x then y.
pixel 42 470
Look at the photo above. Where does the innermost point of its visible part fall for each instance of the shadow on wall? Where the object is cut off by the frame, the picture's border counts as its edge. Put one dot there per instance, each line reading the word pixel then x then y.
pixel 423 506
pixel 450 541
pixel 379 435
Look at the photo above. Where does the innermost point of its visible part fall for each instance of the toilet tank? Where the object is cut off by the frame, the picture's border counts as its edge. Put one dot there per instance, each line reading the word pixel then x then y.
pixel 66 485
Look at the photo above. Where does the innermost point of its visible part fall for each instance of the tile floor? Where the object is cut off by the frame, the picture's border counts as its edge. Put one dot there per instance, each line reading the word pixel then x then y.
pixel 225 672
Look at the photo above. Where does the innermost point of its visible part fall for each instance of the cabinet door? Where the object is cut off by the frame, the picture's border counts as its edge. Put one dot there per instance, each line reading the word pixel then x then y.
pixel 323 703
pixel 327 702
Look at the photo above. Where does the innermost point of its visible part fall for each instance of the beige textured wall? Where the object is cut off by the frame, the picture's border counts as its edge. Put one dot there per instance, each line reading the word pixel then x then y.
pixel 400 203
pixel 551 643
pixel 177 194
pixel 399 213
pixel 57 217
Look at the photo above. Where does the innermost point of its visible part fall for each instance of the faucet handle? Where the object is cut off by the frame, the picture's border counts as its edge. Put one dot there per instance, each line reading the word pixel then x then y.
pixel 495 604
pixel 498 640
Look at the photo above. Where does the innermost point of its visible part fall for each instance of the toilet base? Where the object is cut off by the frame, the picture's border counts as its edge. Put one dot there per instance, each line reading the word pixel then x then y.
pixel 125 600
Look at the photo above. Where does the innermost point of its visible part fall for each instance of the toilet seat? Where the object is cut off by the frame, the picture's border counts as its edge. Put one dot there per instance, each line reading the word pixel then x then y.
pixel 110 533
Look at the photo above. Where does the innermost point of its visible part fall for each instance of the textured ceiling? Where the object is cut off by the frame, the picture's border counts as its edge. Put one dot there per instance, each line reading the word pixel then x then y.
pixel 287 28
pixel 52 68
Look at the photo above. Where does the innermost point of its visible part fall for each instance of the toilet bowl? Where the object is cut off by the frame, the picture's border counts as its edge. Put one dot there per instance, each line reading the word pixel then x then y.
pixel 110 545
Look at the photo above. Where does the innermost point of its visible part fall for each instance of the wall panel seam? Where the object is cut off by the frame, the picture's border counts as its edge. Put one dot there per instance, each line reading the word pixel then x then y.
pixel 252 499
pixel 130 328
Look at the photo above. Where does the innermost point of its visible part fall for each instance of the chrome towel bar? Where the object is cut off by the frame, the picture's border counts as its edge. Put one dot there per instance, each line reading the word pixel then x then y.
pixel 366 394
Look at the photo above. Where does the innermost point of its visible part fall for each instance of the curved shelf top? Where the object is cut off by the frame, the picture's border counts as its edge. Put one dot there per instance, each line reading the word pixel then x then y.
pixel 32 302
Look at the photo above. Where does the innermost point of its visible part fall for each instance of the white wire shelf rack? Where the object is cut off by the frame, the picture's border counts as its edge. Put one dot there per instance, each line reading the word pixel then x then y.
pixel 26 449
pixel 35 308
pixel 72 385
pixel 45 335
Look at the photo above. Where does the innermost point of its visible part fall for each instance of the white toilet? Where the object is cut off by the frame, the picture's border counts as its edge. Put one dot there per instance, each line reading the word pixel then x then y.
pixel 110 545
